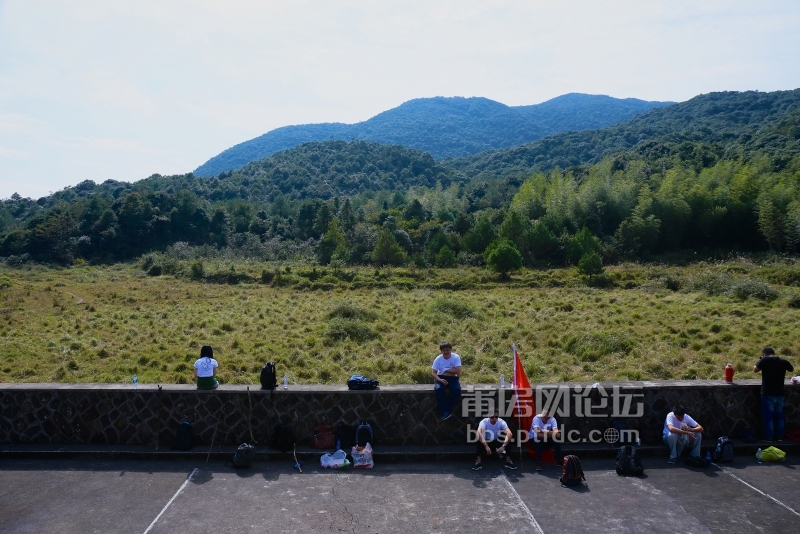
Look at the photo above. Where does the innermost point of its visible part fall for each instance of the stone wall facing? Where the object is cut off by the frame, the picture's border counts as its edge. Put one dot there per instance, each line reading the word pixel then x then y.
pixel 400 415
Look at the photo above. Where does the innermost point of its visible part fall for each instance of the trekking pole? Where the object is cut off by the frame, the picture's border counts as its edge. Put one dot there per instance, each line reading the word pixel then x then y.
pixel 160 421
pixel 250 416
pixel 298 464
pixel 213 436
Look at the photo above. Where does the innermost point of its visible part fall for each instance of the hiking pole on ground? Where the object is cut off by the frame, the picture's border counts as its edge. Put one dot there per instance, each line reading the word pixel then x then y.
pixel 250 417
pixel 297 464
pixel 160 421
pixel 213 436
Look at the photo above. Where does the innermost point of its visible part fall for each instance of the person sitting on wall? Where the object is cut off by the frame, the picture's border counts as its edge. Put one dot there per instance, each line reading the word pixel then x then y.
pixel 445 370
pixel 679 430
pixel 545 435
pixel 205 369
pixel 490 433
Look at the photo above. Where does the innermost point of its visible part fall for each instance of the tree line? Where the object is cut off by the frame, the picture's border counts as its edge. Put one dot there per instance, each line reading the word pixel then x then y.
pixel 623 208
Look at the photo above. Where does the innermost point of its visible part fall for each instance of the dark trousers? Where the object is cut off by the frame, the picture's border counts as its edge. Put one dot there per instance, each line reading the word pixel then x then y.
pixel 454 386
pixel 494 444
pixel 540 446
pixel 772 413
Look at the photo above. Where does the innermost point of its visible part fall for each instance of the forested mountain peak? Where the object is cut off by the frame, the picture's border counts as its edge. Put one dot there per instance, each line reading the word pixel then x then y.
pixel 727 122
pixel 445 127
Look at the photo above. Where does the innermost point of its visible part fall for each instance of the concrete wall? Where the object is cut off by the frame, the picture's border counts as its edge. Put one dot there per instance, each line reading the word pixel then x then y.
pixel 401 415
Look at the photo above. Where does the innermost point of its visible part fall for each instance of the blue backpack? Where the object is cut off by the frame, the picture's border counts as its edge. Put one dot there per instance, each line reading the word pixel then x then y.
pixel 362 382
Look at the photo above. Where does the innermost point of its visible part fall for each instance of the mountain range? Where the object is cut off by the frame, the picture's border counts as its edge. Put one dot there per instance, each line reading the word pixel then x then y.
pixel 445 127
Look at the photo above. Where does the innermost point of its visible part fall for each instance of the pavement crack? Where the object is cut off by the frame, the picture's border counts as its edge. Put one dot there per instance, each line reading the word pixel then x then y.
pixel 353 519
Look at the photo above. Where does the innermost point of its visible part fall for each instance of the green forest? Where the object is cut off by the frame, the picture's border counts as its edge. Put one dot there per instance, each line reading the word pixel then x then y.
pixel 719 173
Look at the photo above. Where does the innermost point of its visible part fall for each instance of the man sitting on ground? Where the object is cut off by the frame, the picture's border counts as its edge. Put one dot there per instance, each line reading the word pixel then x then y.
pixel 545 435
pixel 490 433
pixel 679 430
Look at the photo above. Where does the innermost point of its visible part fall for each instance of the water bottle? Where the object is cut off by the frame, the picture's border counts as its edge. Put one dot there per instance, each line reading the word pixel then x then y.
pixel 135 382
pixel 759 456
pixel 285 381
pixel 502 380
pixel 338 444
pixel 708 457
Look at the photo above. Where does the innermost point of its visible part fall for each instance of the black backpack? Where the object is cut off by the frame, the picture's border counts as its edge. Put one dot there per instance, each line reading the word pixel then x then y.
pixel 724 450
pixel 346 434
pixel 624 434
pixel 364 434
pixel 571 471
pixel 628 462
pixel 183 437
pixel 269 380
pixel 283 437
pixel 362 382
pixel 244 455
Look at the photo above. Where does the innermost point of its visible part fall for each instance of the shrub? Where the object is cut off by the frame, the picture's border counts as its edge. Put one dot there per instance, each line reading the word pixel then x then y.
pixel 198 270
pixel 452 307
pixel 794 301
pixel 751 288
pixel 341 329
pixel 348 310
pixel 445 257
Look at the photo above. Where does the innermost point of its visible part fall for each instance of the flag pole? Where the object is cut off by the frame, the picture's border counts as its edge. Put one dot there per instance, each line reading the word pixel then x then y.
pixel 516 396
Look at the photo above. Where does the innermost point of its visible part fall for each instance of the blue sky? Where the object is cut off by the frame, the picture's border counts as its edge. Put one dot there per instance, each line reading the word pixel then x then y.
pixel 92 89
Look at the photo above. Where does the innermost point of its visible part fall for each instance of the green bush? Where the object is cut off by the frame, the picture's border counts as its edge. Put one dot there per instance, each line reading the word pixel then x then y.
pixel 198 270
pixel 348 310
pixel 452 307
pixel 341 329
pixel 753 289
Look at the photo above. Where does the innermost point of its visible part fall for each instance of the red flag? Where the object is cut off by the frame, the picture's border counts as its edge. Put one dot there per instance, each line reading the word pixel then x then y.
pixel 525 406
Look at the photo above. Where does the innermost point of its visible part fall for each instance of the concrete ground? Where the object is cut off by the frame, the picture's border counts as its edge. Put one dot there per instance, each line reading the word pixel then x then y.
pixel 87 496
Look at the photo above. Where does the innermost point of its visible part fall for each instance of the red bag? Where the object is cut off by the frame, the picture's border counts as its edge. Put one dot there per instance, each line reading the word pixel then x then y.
pixel 324 437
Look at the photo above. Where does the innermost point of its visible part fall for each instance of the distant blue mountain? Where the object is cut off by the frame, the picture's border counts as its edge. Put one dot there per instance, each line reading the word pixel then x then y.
pixel 445 127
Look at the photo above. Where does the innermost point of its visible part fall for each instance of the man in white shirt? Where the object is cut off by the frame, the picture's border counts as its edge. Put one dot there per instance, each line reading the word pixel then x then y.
pixel 680 430
pixel 445 371
pixel 546 434
pixel 493 438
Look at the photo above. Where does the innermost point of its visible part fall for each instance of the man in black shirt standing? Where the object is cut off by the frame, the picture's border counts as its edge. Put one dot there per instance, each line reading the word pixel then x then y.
pixel 773 372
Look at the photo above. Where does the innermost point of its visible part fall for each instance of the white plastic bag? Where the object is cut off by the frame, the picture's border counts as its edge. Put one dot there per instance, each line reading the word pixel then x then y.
pixel 334 460
pixel 362 458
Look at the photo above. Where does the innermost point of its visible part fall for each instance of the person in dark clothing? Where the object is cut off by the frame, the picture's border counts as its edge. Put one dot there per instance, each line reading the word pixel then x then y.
pixel 773 373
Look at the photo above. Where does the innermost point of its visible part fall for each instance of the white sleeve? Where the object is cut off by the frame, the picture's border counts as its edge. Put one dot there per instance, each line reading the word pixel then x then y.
pixel 689 421
pixel 434 366
pixel 672 420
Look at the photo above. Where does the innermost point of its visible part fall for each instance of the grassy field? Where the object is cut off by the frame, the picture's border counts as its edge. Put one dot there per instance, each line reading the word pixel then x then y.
pixel 639 322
